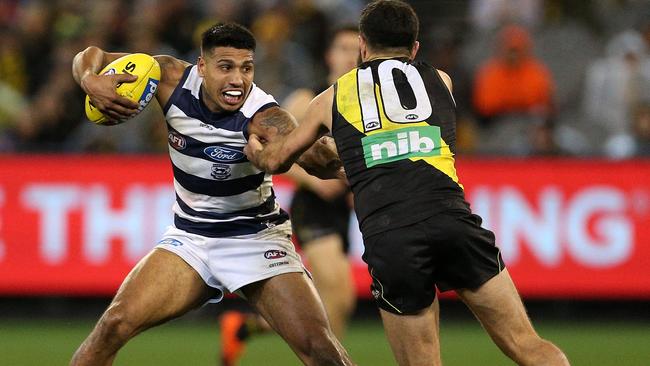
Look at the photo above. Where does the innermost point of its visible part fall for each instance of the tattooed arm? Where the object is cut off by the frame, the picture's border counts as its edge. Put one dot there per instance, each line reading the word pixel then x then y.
pixel 276 142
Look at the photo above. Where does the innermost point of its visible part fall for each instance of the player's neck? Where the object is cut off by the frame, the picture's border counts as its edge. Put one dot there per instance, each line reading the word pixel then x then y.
pixel 384 55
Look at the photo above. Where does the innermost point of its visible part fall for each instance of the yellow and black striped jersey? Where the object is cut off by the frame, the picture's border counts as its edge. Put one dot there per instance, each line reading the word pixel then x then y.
pixel 394 123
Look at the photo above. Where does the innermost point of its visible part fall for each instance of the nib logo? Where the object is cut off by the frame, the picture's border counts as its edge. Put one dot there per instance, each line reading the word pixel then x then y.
pixel 385 147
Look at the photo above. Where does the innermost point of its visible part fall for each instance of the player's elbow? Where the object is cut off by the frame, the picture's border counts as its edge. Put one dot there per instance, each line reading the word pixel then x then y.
pixel 90 50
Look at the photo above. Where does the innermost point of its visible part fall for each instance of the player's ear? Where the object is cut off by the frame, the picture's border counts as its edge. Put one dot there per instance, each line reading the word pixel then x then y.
pixel 201 66
pixel 415 49
pixel 363 48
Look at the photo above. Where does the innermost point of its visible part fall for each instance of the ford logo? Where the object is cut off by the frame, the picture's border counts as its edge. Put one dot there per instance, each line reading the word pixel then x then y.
pixel 223 154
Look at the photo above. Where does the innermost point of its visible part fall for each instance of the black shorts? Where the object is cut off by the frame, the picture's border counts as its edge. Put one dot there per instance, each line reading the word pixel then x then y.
pixel 313 218
pixel 448 250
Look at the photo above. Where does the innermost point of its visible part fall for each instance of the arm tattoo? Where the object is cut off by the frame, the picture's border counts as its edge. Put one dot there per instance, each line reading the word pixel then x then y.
pixel 277 122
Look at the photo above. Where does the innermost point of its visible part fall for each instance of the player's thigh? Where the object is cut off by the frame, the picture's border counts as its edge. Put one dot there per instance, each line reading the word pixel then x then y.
pixel 414 338
pixel 402 268
pixel 290 304
pixel 328 262
pixel 498 307
pixel 160 287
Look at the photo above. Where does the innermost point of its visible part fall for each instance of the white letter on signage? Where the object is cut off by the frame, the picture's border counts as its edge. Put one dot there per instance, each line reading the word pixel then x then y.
pixel 53 202
pixel 482 205
pixel 539 230
pixel 612 243
pixel 104 223
pixel 163 200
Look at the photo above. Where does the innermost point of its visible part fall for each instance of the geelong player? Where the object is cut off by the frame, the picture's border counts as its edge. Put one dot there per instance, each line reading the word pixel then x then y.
pixel 229 234
pixel 393 121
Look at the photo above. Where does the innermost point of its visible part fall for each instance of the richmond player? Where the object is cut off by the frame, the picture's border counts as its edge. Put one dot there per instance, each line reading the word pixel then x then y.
pixel 393 121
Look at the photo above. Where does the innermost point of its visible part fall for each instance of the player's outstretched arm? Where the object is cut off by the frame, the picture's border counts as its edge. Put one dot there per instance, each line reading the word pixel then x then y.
pixel 275 142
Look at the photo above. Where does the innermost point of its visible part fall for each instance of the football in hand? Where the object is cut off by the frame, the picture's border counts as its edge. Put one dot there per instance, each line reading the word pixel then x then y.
pixel 141 91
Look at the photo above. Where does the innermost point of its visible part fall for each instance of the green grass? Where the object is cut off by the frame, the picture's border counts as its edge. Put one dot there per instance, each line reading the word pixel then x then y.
pixel 193 343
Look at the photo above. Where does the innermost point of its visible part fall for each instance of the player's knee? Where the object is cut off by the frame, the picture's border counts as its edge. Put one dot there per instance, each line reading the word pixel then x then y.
pixel 539 352
pixel 321 348
pixel 117 325
pixel 326 353
pixel 549 354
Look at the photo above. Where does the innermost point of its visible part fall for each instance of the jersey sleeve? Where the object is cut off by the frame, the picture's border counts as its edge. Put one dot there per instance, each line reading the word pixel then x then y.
pixel 257 101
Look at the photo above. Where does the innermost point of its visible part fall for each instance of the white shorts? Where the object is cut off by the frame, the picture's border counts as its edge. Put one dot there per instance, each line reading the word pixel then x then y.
pixel 230 263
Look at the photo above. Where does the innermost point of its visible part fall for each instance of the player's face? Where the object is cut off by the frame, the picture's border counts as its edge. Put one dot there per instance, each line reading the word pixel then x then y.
pixel 227 77
pixel 343 54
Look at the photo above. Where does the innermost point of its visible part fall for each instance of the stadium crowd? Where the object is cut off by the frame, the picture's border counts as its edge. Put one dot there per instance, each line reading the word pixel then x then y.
pixel 532 77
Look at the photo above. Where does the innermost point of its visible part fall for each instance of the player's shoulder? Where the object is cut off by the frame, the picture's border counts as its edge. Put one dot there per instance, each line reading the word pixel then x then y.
pixel 172 69
pixel 256 101
pixel 445 78
pixel 348 76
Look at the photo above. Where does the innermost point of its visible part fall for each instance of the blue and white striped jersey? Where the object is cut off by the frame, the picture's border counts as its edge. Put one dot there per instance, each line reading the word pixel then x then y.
pixel 219 193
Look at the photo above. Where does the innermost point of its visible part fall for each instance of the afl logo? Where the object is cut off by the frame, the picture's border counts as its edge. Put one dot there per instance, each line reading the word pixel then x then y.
pixel 224 154
pixel 411 117
pixel 176 140
pixel 274 254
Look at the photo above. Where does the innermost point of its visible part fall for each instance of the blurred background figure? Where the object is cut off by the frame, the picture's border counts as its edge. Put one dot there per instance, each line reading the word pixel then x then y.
pixel 282 64
pixel 492 14
pixel 13 85
pixel 320 209
pixel 513 96
pixel 641 130
pixel 615 85
pixel 320 215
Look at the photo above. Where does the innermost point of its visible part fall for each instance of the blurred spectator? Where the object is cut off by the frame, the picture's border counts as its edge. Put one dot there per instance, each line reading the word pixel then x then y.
pixel 513 107
pixel 340 12
pixel 281 66
pixel 513 81
pixel 34 24
pixel 641 130
pixel 618 15
pixel 13 85
pixel 443 52
pixel 55 110
pixel 493 14
pixel 615 85
pixel 176 21
pixel 513 93
pixel 309 30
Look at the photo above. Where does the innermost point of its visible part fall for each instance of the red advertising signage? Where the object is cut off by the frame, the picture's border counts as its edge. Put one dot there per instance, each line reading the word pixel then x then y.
pixel 566 228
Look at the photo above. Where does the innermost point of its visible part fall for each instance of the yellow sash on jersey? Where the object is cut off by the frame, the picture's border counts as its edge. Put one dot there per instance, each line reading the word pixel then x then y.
pixel 349 107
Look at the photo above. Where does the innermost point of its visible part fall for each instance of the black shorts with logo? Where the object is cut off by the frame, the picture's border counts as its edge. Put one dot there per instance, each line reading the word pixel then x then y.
pixel 449 250
pixel 313 218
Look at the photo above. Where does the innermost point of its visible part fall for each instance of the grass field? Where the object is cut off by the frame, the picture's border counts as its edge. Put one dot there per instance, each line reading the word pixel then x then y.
pixel 194 343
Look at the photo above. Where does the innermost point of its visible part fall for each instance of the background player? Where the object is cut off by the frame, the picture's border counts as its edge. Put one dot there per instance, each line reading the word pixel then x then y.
pixel 393 121
pixel 229 234
pixel 320 212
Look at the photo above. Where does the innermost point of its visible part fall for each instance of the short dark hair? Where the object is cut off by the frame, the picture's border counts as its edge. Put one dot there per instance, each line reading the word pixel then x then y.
pixel 389 24
pixel 227 35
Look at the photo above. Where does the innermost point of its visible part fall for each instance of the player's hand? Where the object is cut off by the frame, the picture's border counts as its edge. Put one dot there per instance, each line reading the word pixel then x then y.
pixel 322 160
pixel 101 90
pixel 253 149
